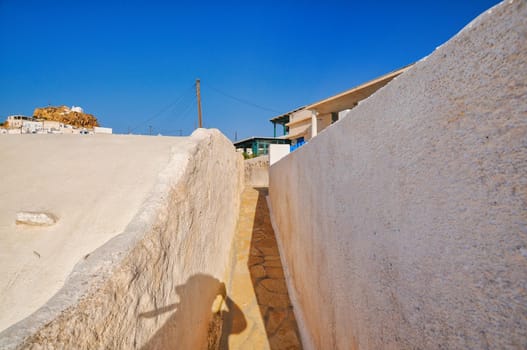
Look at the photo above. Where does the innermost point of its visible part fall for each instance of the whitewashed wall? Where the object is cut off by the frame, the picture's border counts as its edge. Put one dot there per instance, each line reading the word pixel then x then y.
pixel 403 225
pixel 152 287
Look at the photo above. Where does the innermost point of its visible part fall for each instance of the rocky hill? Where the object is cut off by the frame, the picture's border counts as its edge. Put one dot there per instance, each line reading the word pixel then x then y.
pixel 66 115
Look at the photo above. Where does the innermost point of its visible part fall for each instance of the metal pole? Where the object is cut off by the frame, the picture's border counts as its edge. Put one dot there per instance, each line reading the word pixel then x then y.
pixel 198 94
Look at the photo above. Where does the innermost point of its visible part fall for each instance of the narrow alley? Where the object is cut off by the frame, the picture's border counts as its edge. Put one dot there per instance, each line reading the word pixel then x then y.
pixel 257 284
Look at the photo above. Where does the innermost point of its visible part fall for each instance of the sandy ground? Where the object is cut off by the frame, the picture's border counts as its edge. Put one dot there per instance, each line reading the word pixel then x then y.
pixel 94 184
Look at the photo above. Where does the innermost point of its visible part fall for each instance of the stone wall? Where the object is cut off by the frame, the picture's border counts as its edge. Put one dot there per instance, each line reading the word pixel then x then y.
pixel 257 171
pixel 403 225
pixel 153 286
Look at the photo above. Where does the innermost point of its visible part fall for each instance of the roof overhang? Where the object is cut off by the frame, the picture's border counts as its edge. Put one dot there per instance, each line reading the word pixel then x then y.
pixel 349 99
pixel 248 141
pixel 284 118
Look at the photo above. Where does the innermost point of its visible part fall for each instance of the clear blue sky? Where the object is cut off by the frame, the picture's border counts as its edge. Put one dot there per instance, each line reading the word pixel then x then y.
pixel 130 61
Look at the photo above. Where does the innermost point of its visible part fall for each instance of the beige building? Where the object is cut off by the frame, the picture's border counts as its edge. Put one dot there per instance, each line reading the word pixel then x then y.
pixel 16 121
pixel 302 124
pixel 299 125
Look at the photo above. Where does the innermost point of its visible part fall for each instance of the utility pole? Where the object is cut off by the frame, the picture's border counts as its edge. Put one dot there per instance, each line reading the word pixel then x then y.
pixel 198 94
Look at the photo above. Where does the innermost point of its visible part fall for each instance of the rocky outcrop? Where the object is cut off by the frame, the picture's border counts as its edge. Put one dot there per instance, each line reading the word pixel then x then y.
pixel 66 115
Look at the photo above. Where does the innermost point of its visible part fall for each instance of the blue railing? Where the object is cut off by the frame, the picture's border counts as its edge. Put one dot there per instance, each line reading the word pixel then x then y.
pixel 299 143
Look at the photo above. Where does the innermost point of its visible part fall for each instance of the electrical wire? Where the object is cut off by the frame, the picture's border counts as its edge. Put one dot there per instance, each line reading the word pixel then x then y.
pixel 180 114
pixel 164 109
pixel 183 106
pixel 241 100
pixel 181 117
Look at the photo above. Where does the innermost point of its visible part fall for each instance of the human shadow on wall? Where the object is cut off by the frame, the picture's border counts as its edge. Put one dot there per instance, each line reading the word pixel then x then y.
pixel 267 276
pixel 202 307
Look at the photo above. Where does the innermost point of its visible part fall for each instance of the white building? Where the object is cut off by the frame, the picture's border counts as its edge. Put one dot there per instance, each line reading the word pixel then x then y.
pixel 52 126
pixel 77 109
pixel 31 126
pixel 101 130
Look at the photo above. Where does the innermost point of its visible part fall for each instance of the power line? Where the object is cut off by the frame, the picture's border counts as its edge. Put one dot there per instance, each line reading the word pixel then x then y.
pixel 163 110
pixel 241 100
pixel 181 116
pixel 184 110
pixel 173 131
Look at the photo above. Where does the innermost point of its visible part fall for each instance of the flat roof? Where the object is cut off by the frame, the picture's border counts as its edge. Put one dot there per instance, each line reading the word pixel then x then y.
pixel 349 98
pixel 254 138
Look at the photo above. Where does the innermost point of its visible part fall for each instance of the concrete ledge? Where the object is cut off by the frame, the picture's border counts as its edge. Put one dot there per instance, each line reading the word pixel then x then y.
pixel 150 285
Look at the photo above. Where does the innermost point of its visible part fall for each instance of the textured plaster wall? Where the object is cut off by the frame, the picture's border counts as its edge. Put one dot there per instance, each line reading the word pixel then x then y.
pixel 404 225
pixel 91 186
pixel 153 286
pixel 257 171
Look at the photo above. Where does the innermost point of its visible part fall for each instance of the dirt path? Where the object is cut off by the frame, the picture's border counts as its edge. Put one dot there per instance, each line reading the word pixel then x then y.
pixel 258 286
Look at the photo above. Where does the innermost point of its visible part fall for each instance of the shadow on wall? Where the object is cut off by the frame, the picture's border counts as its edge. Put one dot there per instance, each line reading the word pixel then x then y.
pixel 201 294
pixel 268 281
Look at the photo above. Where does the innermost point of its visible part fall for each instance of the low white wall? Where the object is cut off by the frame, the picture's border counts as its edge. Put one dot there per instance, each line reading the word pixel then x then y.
pixel 101 130
pixel 403 225
pixel 152 287
pixel 277 152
